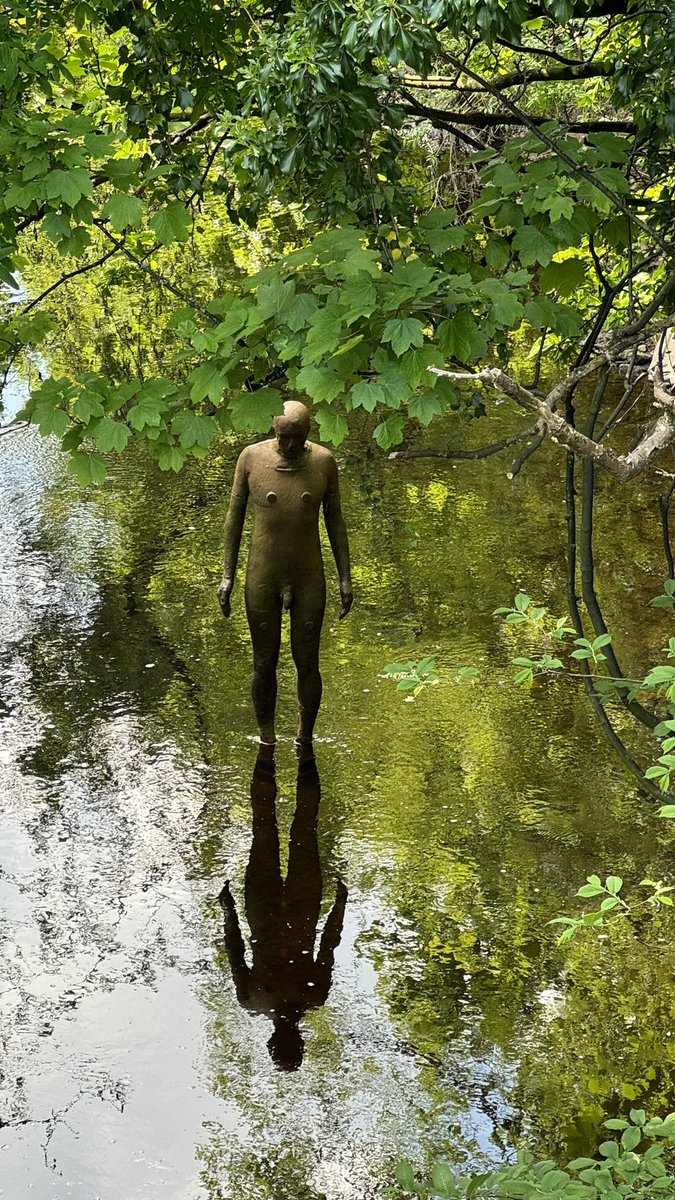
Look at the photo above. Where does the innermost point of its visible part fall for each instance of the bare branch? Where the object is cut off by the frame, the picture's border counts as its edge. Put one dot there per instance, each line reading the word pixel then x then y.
pixel 13 427
pixel 165 283
pixel 70 275
pixel 465 455
pixel 520 459
pixel 487 120
pixel 567 73
pixel 623 466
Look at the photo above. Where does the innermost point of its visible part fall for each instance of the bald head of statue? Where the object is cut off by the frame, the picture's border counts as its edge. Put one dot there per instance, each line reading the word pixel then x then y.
pixel 291 428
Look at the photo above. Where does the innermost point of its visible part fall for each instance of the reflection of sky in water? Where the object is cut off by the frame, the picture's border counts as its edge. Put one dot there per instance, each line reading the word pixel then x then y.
pixel 461 823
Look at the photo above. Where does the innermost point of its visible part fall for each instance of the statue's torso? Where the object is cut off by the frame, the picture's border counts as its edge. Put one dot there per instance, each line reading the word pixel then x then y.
pixel 285 549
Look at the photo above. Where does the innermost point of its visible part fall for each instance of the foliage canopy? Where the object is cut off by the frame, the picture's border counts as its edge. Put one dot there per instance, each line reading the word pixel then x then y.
pixel 466 176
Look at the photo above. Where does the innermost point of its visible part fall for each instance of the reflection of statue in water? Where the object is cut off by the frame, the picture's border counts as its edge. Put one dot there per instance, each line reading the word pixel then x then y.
pixel 288 479
pixel 284 979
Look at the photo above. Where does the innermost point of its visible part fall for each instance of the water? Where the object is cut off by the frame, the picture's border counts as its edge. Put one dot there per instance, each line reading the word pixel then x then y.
pixel 459 824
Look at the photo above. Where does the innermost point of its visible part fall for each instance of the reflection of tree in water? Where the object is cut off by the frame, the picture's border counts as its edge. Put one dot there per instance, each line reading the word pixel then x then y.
pixel 285 978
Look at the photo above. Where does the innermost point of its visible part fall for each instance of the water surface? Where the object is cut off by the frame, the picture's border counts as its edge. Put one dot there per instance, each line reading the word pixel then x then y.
pixel 459 824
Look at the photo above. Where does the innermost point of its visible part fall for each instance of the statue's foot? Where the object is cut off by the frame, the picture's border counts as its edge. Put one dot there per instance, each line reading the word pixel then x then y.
pixel 266 753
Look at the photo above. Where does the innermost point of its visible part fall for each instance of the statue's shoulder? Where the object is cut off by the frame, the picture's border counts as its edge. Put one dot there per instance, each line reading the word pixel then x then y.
pixel 254 453
pixel 321 454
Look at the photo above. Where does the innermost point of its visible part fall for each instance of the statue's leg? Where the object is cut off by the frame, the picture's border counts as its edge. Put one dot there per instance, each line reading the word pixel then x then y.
pixel 265 626
pixel 306 621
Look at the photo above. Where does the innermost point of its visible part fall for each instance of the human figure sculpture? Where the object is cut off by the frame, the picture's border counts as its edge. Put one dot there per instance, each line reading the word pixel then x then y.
pixel 288 479
pixel 285 978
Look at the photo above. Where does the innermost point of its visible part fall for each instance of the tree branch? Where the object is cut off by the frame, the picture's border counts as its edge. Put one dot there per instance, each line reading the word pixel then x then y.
pixel 416 108
pixel 70 275
pixel 486 120
pixel 623 466
pixel 567 73
pixel 465 455
pixel 154 274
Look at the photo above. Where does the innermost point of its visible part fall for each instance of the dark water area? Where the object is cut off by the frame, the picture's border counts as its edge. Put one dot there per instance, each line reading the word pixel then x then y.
pixel 429 846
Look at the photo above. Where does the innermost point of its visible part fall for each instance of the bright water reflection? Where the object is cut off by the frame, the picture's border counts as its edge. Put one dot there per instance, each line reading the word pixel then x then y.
pixel 136 1052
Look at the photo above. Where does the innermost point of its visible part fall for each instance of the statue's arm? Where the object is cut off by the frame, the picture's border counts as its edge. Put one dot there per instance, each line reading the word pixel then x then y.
pixel 234 525
pixel 330 940
pixel 234 944
pixel 337 536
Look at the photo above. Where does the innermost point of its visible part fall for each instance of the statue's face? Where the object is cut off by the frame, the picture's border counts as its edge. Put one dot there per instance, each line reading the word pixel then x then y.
pixel 291 437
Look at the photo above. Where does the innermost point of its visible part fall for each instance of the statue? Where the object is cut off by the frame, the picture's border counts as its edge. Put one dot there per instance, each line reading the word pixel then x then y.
pixel 285 978
pixel 289 479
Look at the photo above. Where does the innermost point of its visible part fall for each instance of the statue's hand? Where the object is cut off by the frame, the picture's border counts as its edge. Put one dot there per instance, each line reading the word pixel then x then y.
pixel 224 593
pixel 347 597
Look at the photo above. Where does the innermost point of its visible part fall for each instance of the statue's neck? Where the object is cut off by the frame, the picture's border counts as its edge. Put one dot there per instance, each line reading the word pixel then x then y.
pixel 293 464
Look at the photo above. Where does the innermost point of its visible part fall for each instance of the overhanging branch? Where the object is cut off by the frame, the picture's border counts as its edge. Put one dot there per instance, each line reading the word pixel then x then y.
pixel 623 466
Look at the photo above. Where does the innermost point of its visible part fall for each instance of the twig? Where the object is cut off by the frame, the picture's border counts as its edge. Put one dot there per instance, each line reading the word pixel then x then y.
pixel 520 460
pixel 481 452
pixel 155 274
pixel 70 275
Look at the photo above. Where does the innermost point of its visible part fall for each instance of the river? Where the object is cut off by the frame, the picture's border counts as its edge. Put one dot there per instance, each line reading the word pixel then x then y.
pixel 446 1021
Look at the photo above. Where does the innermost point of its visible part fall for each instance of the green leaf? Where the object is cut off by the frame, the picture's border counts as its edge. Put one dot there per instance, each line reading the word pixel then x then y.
pixel 256 410
pixel 389 432
pixel 172 224
pixel 111 435
pixel 326 330
pixel 88 406
pixel 207 380
pixel 443 1179
pixel 415 365
pixel 299 312
pixel 273 298
pixel 68 186
pixel 321 383
pixel 614 884
pixel 533 245
pixel 193 429
pixel 668 811
pixel 563 277
pixel 609 1150
pixel 543 313
pixel 402 333
pixel 590 889
pixel 170 458
pixel 359 298
pixel 638 1116
pixel 405 1176
pixel 124 211
pixel 146 413
pixel 506 307
pixel 460 337
pixel 367 395
pixel 425 406
pixel 333 427
pixel 87 468
pixel 50 419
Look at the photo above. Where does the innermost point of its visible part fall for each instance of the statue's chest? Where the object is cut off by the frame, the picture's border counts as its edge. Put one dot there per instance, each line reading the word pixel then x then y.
pixel 287 491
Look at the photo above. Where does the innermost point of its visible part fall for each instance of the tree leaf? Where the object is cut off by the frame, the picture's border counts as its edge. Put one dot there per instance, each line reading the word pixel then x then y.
pixel 333 427
pixel 424 406
pixel 124 211
pixel 403 332
pixel 533 245
pixel 87 468
pixel 389 432
pixel 172 224
pixel 193 429
pixel 256 410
